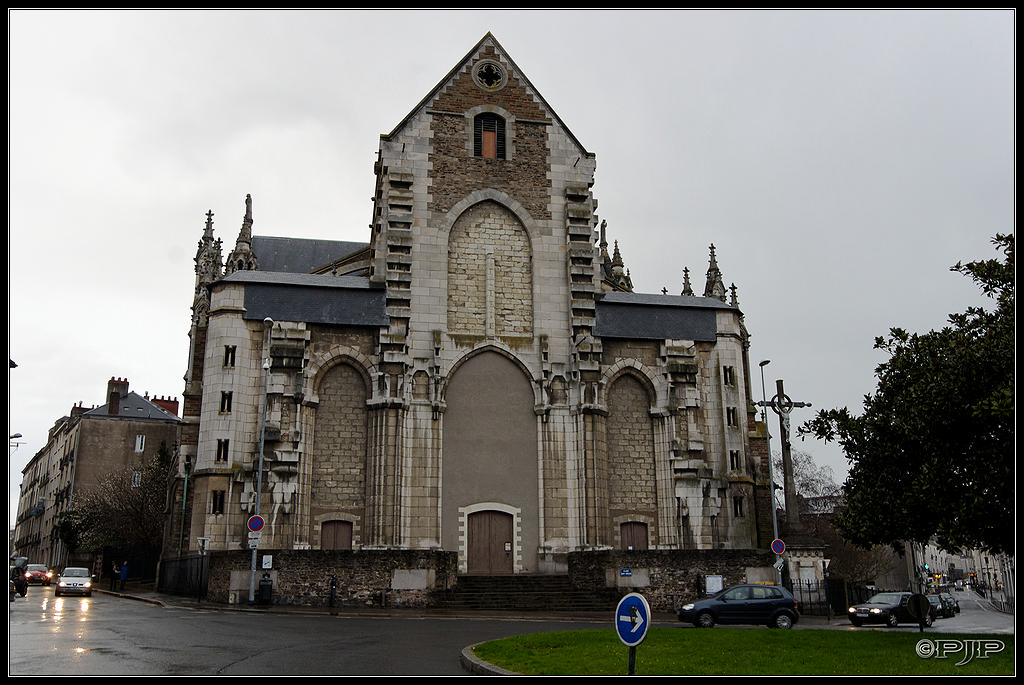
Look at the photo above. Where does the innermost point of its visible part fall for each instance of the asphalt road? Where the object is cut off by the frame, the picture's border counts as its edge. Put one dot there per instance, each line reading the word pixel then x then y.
pixel 111 635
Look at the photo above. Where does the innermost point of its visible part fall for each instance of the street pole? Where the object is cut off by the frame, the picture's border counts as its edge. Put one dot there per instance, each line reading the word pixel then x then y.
pixel 269 323
pixel 771 468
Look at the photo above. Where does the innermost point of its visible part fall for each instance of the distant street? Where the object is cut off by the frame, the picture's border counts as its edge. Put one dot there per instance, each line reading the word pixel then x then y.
pixel 109 635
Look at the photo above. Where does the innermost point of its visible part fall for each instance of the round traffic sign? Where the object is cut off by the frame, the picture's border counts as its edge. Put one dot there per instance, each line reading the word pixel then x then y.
pixel 255 523
pixel 632 619
pixel 778 546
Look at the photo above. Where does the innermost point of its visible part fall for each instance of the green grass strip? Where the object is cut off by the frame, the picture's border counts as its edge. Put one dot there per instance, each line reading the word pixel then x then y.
pixel 731 651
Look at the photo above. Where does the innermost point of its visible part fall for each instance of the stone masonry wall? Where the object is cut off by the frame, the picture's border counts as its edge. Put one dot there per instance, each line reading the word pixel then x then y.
pixel 363 578
pixel 667 579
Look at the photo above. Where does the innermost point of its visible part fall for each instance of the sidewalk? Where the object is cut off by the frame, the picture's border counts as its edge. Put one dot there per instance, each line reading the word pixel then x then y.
pixel 144 594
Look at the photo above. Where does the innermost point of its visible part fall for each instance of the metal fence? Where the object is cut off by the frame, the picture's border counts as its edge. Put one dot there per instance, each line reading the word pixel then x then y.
pixel 184 576
pixel 828 597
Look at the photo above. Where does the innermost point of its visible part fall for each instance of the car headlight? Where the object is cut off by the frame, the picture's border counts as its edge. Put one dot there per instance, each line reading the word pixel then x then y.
pixel 87 584
pixel 852 610
pixel 687 607
pixel 878 611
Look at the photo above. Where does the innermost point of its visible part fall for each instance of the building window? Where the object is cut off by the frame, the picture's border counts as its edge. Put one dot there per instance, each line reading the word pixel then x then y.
pixel 489 136
pixel 136 479
pixel 734 460
pixel 737 507
pixel 225 403
pixel 140 443
pixel 217 499
pixel 731 417
pixel 223 449
pixel 229 356
pixel 728 375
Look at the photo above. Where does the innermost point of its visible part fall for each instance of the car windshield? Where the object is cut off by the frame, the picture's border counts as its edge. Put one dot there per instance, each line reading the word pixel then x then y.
pixel 76 573
pixel 885 598
pixel 36 567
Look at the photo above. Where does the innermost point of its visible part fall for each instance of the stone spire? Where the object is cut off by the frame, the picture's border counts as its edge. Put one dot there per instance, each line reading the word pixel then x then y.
pixel 714 286
pixel 687 288
pixel 619 275
pixel 242 257
pixel 208 269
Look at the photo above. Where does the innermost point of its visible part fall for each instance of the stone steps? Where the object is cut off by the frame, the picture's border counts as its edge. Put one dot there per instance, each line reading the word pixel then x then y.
pixel 523 593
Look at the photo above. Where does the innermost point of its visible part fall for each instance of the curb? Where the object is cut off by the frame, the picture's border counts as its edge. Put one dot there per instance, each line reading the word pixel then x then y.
pixel 476 666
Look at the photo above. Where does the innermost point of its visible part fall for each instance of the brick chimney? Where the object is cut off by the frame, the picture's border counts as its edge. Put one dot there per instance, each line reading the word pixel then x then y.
pixel 116 389
pixel 167 404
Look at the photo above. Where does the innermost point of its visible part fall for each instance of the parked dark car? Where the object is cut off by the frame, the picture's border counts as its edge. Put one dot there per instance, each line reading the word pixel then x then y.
pixel 942 610
pixel 768 605
pixel 888 608
pixel 951 600
pixel 38 574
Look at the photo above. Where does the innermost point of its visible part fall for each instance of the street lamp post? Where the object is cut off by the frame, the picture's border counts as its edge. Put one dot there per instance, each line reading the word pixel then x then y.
pixel 269 323
pixel 771 469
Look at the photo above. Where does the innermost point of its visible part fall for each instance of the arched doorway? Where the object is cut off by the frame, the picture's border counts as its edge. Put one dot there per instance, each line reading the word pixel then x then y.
pixel 490 543
pixel 490 463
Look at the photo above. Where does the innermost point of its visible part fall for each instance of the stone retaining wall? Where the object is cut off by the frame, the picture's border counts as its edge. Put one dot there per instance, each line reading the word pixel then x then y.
pixel 399 578
pixel 668 578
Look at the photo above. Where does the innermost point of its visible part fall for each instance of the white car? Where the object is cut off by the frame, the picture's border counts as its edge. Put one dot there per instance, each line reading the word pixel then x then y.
pixel 74 581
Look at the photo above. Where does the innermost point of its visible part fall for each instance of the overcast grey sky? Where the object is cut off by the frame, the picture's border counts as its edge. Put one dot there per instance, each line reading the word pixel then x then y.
pixel 840 162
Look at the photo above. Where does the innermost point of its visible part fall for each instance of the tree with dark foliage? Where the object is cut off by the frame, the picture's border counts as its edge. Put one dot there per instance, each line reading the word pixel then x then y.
pixel 932 455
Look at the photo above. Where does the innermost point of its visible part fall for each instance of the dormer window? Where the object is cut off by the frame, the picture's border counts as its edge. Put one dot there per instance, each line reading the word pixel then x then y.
pixel 489 136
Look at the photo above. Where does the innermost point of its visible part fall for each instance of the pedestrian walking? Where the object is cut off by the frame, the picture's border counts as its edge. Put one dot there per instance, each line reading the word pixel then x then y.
pixel 114 573
pixel 124 574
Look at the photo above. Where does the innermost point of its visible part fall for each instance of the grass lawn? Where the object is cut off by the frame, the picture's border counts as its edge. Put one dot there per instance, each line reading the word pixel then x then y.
pixel 742 651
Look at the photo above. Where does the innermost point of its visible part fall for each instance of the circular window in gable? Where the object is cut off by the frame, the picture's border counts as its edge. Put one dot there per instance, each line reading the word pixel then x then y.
pixel 489 75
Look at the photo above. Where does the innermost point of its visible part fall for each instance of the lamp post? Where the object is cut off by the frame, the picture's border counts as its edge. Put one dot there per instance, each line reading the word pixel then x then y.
pixel 269 323
pixel 771 469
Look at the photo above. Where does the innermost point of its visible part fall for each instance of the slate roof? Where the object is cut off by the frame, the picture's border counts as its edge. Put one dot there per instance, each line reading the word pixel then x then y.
pixel 313 298
pixel 299 255
pixel 638 316
pixel 134 406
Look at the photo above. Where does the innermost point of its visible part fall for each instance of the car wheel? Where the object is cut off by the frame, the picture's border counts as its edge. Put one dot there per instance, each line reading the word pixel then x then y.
pixel 88 594
pixel 783 621
pixel 892 621
pixel 856 623
pixel 56 593
pixel 705 620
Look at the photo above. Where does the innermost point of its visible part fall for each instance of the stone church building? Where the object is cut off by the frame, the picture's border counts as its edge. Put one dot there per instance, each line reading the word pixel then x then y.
pixel 479 377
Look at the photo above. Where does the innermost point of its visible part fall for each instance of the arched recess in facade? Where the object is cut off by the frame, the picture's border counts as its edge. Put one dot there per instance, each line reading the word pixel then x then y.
pixel 639 437
pixel 490 269
pixel 490 460
pixel 338 387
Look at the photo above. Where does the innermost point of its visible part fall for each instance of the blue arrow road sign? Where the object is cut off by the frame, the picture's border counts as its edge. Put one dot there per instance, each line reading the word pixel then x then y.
pixel 632 619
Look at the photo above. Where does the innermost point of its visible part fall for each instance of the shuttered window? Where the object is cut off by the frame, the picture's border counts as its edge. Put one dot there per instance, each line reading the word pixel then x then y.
pixel 489 136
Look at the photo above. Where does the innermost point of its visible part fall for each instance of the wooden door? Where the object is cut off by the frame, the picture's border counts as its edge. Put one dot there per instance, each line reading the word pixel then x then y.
pixel 634 535
pixel 336 535
pixel 490 544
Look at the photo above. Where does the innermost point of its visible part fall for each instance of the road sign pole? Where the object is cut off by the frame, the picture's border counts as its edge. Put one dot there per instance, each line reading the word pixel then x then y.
pixel 632 619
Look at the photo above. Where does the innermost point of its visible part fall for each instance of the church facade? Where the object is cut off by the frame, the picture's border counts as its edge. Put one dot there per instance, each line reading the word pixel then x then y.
pixel 478 377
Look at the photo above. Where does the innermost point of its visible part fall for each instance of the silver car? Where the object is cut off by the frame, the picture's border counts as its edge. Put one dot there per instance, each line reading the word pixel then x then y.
pixel 74 581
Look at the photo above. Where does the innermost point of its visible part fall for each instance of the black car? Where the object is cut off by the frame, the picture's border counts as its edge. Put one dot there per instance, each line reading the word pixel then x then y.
pixel 942 609
pixel 768 605
pixel 888 608
pixel 951 600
